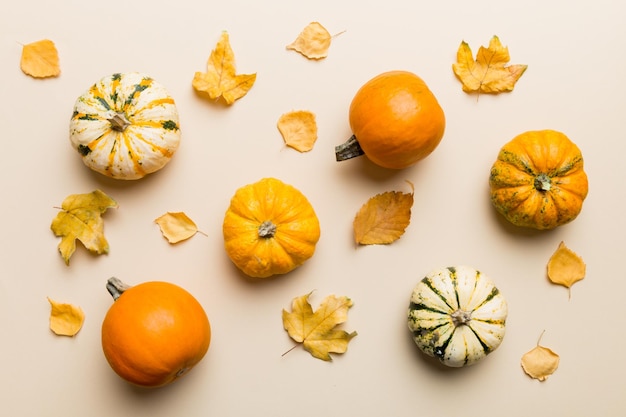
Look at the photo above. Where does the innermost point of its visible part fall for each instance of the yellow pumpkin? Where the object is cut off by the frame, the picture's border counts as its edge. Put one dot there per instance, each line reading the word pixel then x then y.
pixel 125 126
pixel 396 121
pixel 154 332
pixel 269 228
pixel 538 180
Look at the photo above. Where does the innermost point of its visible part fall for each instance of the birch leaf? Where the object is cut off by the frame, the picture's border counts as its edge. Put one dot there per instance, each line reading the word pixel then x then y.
pixel 313 42
pixel 489 72
pixel 540 362
pixel 65 319
pixel 316 330
pixel 221 79
pixel 383 218
pixel 80 219
pixel 40 59
pixel 565 267
pixel 298 129
pixel 176 227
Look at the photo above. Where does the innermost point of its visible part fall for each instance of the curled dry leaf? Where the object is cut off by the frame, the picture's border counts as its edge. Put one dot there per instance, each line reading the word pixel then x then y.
pixel 299 129
pixel 565 267
pixel 540 362
pixel 221 78
pixel 176 227
pixel 489 72
pixel 383 218
pixel 81 218
pixel 313 42
pixel 40 59
pixel 65 319
pixel 317 330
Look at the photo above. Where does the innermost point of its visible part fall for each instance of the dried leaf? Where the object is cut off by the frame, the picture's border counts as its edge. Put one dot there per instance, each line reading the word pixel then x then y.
pixel 40 59
pixel 565 267
pixel 176 227
pixel 299 129
pixel 313 42
pixel 81 219
pixel 221 79
pixel 540 362
pixel 383 219
pixel 317 330
pixel 65 319
pixel 488 73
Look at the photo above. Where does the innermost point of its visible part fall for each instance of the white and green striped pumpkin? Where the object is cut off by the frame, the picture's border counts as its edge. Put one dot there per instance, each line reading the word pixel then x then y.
pixel 125 126
pixel 457 315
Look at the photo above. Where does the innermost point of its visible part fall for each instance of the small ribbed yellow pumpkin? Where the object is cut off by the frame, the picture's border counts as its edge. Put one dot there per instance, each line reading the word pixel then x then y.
pixel 270 228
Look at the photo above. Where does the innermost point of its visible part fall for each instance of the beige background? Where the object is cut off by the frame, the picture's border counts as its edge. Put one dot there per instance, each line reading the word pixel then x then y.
pixel 576 53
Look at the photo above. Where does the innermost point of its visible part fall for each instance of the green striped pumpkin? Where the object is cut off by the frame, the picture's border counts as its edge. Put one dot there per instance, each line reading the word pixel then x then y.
pixel 457 315
pixel 125 126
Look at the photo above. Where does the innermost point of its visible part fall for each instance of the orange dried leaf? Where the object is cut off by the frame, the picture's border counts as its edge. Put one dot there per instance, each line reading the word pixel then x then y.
pixel 317 330
pixel 221 79
pixel 40 59
pixel 299 129
pixel 565 267
pixel 540 362
pixel 176 227
pixel 384 218
pixel 313 42
pixel 489 72
pixel 65 319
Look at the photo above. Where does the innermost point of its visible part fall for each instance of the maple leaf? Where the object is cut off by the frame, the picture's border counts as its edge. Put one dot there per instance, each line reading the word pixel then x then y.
pixel 489 72
pixel 540 362
pixel 40 59
pixel 80 218
pixel 176 227
pixel 317 330
pixel 65 319
pixel 383 218
pixel 221 79
pixel 298 129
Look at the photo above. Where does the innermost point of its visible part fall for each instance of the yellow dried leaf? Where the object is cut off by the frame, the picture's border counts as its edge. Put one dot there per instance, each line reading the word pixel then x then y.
pixel 313 42
pixel 299 129
pixel 176 227
pixel 488 73
pixel 317 330
pixel 383 219
pixel 80 218
pixel 540 362
pixel 221 79
pixel 40 59
pixel 565 267
pixel 65 319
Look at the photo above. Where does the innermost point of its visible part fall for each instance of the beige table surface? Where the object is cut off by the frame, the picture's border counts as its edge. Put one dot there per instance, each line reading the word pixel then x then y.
pixel 576 57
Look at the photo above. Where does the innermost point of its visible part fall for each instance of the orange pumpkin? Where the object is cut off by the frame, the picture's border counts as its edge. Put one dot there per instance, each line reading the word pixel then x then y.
pixel 538 180
pixel 154 332
pixel 396 121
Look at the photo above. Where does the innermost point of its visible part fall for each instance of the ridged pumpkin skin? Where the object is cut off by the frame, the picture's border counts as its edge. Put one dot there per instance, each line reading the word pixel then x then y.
pixel 125 126
pixel 538 180
pixel 270 228
pixel 396 119
pixel 457 315
pixel 154 333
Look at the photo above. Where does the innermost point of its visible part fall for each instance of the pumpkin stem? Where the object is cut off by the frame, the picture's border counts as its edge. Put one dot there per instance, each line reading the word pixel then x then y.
pixel 348 150
pixel 119 122
pixel 460 317
pixel 543 182
pixel 116 287
pixel 267 229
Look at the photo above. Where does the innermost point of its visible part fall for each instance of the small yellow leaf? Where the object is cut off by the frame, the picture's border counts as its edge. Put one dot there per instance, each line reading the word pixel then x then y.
pixel 40 59
pixel 221 79
pixel 176 227
pixel 565 267
pixel 65 319
pixel 540 362
pixel 383 219
pixel 299 129
pixel 313 42
pixel 80 218
pixel 317 330
pixel 488 73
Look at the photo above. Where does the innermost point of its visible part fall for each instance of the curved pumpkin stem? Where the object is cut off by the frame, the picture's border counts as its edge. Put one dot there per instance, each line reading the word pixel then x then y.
pixel 116 287
pixel 119 122
pixel 348 150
